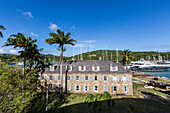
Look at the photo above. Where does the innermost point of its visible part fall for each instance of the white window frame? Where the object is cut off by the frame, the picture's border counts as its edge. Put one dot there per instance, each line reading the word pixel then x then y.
pixel 80 68
pixel 93 68
pixel 113 68
pixel 71 67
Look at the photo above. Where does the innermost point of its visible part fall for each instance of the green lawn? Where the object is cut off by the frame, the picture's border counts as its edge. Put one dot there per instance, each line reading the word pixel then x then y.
pixel 75 103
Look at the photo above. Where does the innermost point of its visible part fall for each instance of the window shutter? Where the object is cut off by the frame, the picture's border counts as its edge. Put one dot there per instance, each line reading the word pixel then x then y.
pixel 70 78
pixel 87 88
pixel 93 88
pixel 105 88
pixel 127 79
pixel 118 79
pixel 83 78
pixel 48 78
pixel 80 78
pixel 74 88
pixel 79 88
pixel 112 89
pixel 98 77
pixel 112 78
pixel 84 88
pixel 56 77
pixel 123 89
pixel 68 87
pixel 92 78
pixel 89 78
pixel 102 78
pixel 53 68
pixel 44 77
pixel 53 77
pixel 128 89
pixel 122 79
pixel 74 78
pixel 107 78
pixel 98 68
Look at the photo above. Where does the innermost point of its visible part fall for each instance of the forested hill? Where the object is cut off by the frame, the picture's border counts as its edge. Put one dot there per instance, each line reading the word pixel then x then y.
pixel 97 55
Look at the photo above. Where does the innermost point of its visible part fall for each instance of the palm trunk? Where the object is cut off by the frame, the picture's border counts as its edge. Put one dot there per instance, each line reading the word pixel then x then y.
pixel 61 74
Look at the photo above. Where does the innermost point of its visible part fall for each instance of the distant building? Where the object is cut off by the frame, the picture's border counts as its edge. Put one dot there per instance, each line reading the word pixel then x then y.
pixel 94 55
pixel 90 76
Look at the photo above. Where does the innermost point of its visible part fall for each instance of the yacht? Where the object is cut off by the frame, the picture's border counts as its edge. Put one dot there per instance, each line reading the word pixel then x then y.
pixel 143 65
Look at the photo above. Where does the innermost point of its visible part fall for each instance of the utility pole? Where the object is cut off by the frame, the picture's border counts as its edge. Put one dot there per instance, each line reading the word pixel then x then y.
pixel 66 79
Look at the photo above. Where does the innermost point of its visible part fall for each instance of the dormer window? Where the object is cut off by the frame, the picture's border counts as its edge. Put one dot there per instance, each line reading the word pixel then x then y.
pixel 51 68
pixel 82 68
pixel 95 68
pixel 69 68
pixel 113 68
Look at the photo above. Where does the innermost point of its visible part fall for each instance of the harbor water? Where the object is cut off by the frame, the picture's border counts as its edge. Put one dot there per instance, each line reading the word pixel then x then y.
pixel 160 74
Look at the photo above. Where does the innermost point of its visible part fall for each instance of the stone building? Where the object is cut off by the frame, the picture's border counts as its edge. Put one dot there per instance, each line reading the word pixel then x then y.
pixel 90 76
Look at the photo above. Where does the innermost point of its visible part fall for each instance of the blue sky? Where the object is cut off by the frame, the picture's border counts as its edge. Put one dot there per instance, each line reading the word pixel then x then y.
pixel 138 25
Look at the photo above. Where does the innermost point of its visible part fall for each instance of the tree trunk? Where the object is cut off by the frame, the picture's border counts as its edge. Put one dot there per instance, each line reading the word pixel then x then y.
pixel 61 74
pixel 66 80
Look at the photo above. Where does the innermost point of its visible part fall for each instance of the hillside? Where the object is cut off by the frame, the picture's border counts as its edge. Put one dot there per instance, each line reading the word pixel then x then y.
pixel 96 55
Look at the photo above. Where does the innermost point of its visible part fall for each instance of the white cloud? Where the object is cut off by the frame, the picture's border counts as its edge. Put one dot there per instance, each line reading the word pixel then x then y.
pixel 28 14
pixel 53 27
pixel 33 34
pixel 12 51
pixel 81 45
pixel 9 50
pixel 73 27
pixel 88 41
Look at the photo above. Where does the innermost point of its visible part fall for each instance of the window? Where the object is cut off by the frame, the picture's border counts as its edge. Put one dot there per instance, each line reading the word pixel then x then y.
pixel 95 68
pixel 125 89
pixel 42 77
pixel 58 77
pixel 77 78
pixel 105 78
pixel 51 77
pixel 95 77
pixel 105 88
pixel 77 88
pixel 114 89
pixel 114 78
pixel 123 79
pixel 95 88
pixel 86 88
pixel 50 87
pixel 51 68
pixel 68 88
pixel 82 68
pixel 86 77
pixel 113 68
pixel 69 68
pixel 68 77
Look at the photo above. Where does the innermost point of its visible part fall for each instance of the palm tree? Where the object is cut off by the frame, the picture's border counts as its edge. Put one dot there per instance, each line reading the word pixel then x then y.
pixel 60 39
pixel 3 28
pixel 127 57
pixel 22 41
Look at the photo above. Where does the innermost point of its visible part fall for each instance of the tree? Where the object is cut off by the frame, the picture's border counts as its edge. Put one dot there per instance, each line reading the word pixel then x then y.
pixel 13 97
pixel 22 41
pixel 61 39
pixel 105 96
pixel 2 28
pixel 127 57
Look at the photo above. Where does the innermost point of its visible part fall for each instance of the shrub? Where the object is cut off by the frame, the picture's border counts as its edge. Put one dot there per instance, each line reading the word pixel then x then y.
pixel 105 96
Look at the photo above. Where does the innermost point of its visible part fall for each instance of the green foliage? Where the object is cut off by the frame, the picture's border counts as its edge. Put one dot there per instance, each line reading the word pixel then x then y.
pixel 3 28
pixel 89 98
pixel 105 96
pixel 97 97
pixel 15 97
pixel 127 57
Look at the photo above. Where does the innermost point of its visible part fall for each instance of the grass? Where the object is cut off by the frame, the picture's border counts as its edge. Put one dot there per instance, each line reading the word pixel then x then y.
pixel 75 103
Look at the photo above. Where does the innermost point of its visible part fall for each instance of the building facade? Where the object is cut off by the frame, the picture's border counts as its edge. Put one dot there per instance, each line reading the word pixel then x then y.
pixel 93 76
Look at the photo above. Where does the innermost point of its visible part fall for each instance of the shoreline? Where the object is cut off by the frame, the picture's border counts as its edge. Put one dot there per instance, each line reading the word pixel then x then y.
pixel 140 74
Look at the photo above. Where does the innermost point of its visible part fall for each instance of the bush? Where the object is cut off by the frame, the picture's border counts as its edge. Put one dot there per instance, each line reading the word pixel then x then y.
pixel 105 96
pixel 89 98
